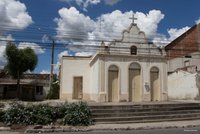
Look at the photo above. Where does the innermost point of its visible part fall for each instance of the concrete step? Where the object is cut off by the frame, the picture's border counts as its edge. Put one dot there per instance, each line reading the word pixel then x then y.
pixel 148 106
pixel 118 110
pixel 148 117
pixel 128 114
pixel 145 112
pixel 146 121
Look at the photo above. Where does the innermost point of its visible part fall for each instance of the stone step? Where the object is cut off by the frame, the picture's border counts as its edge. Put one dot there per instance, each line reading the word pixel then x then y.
pixel 114 110
pixel 146 121
pixel 125 114
pixel 148 117
pixel 144 106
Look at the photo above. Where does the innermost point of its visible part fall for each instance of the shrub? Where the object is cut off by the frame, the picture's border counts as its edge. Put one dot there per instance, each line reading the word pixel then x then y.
pixel 72 114
pixel 34 114
pixel 54 90
pixel 39 114
pixel 1 115
pixel 78 114
pixel 60 111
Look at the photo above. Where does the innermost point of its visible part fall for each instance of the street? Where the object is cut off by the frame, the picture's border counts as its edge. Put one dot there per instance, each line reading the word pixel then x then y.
pixel 153 131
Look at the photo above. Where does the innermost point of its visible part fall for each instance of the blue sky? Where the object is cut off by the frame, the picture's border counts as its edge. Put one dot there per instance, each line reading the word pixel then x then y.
pixel 35 23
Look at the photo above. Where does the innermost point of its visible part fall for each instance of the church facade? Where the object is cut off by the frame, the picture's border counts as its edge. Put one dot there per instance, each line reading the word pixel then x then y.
pixel 126 70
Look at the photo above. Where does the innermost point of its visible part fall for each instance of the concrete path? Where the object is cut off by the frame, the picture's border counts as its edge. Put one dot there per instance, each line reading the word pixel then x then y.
pixel 132 126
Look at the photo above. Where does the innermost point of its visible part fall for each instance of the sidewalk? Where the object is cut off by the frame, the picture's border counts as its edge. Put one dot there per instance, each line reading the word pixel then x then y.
pixel 131 126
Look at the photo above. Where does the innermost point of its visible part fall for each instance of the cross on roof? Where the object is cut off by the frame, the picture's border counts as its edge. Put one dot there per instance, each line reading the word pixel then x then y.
pixel 133 18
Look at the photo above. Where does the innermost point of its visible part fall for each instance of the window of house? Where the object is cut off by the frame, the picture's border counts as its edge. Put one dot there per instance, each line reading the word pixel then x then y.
pixel 133 50
pixel 186 63
pixel 39 90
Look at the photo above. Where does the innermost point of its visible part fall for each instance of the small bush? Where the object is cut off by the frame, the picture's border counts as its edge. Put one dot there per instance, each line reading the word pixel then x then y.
pixel 72 114
pixel 54 90
pixel 1 115
pixel 78 114
pixel 34 114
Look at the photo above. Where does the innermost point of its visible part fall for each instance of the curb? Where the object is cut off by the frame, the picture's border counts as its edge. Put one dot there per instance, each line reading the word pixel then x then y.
pixel 86 129
pixel 5 128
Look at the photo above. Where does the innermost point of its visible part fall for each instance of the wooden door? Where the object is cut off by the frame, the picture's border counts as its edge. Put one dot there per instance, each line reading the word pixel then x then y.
pixel 134 85
pixel 113 85
pixel 155 88
pixel 78 88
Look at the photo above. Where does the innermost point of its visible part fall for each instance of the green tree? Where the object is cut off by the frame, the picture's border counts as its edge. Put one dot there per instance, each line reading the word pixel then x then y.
pixel 19 61
pixel 54 90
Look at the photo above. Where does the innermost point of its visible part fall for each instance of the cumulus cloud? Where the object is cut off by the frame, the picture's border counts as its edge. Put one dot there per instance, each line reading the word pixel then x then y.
pixel 3 43
pixel 14 15
pixel 59 57
pixel 84 54
pixel 111 2
pixel 149 22
pixel 73 25
pixel 162 40
pixel 174 32
pixel 83 3
pixel 45 38
pixel 81 31
pixel 37 48
pixel 45 72
pixel 197 21
pixel 63 53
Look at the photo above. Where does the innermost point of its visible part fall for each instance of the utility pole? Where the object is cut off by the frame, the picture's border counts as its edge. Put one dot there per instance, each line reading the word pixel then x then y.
pixel 52 61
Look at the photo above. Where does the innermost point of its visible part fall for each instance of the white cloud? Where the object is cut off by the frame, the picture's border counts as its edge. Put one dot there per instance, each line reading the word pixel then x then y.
pixel 149 22
pixel 64 53
pixel 111 2
pixel 73 24
pixel 2 49
pixel 45 72
pixel 84 54
pixel 197 21
pixel 83 3
pixel 38 49
pixel 45 38
pixel 13 15
pixel 174 32
pixel 60 55
pixel 162 40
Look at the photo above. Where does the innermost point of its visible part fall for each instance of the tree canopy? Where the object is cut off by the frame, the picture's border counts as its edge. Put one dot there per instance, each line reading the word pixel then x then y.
pixel 20 60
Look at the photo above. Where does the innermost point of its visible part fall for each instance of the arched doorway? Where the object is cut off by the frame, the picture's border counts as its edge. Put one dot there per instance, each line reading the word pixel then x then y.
pixel 113 84
pixel 155 84
pixel 134 82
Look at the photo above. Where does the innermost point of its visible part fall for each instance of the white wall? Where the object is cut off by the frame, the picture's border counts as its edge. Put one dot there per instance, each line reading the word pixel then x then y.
pixel 176 63
pixel 94 78
pixel 73 67
pixel 123 65
pixel 182 86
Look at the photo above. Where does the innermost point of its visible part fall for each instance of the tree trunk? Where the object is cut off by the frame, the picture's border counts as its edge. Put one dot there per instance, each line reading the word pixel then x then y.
pixel 18 86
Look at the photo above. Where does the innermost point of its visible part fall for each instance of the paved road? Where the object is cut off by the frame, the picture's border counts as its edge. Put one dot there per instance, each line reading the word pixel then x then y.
pixel 154 131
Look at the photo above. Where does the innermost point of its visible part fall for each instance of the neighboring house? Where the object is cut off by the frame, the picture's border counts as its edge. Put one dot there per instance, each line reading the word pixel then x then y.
pixel 184 51
pixel 182 85
pixel 32 86
pixel 128 70
pixel 183 56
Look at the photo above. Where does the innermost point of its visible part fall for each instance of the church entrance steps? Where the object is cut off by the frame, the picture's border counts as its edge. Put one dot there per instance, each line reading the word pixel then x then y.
pixel 135 113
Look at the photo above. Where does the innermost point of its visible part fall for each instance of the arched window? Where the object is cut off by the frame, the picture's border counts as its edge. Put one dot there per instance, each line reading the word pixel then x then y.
pixel 133 50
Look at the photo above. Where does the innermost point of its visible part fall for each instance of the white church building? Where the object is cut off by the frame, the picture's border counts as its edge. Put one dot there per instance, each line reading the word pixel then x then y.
pixel 126 70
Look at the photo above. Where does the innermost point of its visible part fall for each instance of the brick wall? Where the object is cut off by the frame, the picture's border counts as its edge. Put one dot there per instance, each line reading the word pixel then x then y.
pixel 184 45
